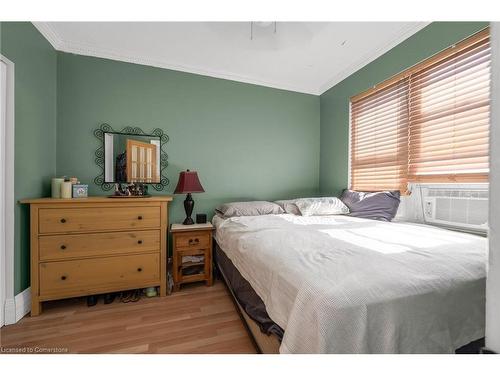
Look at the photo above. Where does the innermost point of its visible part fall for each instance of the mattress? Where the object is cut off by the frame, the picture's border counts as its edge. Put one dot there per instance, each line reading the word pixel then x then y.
pixel 347 285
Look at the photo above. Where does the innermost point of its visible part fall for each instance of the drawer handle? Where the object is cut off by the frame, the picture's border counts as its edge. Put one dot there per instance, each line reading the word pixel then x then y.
pixel 139 217
pixel 139 269
pixel 139 242
pixel 63 277
pixel 63 247
pixel 194 241
pixel 63 220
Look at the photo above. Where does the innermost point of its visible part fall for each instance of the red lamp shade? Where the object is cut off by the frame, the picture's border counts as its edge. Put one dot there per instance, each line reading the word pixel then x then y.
pixel 188 183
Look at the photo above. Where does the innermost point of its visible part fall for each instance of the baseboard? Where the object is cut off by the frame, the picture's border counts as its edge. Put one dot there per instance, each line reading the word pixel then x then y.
pixel 10 311
pixel 17 307
pixel 23 303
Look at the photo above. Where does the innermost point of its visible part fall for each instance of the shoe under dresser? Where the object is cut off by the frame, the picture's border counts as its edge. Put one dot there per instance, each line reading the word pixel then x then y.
pixel 86 246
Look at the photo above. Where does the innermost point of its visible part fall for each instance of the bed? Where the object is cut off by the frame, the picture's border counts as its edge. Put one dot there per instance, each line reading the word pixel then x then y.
pixel 339 284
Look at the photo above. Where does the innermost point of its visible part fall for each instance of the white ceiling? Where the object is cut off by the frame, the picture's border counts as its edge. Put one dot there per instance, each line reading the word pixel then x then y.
pixel 307 57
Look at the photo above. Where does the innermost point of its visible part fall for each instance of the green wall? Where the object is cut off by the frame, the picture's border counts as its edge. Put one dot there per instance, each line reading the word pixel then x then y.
pixel 35 127
pixel 334 149
pixel 246 141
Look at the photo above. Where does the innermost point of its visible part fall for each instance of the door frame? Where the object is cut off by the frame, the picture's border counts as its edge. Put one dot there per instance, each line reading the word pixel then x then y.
pixel 7 202
pixel 493 277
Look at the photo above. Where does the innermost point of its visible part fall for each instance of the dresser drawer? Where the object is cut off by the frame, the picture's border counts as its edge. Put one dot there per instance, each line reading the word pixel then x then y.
pixel 60 220
pixel 200 240
pixel 67 246
pixel 89 276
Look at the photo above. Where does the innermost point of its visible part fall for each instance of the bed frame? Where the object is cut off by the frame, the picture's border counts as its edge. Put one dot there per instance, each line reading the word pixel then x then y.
pixel 264 344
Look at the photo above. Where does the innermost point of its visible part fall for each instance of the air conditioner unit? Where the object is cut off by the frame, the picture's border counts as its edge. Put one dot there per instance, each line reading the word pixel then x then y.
pixel 456 206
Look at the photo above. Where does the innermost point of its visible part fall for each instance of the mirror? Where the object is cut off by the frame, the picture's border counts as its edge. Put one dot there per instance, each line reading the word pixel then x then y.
pixel 131 156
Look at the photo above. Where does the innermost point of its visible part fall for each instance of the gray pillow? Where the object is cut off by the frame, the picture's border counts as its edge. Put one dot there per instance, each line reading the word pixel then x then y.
pixel 289 206
pixel 252 208
pixel 382 205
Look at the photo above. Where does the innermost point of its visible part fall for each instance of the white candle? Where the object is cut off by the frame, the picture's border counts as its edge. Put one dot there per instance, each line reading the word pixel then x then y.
pixel 56 187
pixel 66 188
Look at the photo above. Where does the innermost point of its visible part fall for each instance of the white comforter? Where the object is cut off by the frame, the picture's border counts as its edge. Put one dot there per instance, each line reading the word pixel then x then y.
pixel 338 284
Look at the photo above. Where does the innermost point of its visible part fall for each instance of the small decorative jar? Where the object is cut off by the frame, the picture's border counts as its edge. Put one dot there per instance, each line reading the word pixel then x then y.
pixel 80 191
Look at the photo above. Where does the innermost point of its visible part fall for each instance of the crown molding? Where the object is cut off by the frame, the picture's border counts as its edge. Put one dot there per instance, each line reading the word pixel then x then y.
pixel 88 50
pixel 369 57
pixel 48 33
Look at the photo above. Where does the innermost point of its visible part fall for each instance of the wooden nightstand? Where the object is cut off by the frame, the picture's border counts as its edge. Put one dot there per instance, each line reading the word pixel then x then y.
pixel 192 253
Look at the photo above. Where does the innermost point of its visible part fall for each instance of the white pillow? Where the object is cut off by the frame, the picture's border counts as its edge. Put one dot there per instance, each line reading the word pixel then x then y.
pixel 321 206
pixel 289 206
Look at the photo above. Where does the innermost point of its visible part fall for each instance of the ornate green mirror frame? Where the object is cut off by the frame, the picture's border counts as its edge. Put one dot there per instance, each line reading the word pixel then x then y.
pixel 100 154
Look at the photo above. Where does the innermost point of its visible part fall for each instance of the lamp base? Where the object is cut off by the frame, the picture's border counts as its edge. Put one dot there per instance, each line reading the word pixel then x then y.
pixel 188 207
pixel 188 221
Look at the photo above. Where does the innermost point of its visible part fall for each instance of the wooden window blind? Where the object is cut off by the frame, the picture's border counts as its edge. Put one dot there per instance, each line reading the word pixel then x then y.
pixel 379 139
pixel 429 123
pixel 449 117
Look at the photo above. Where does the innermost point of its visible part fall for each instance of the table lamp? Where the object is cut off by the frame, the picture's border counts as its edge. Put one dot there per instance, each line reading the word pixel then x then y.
pixel 188 183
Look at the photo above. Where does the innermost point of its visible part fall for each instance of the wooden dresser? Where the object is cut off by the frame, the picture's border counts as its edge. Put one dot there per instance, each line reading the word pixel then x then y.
pixel 96 245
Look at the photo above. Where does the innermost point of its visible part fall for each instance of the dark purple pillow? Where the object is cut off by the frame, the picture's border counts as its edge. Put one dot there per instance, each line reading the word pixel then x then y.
pixel 381 205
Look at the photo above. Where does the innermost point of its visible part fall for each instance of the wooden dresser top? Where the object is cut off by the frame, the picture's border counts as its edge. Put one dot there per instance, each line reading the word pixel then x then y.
pixel 102 199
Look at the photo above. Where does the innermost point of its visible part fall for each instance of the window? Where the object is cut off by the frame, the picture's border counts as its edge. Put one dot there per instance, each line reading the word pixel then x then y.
pixel 429 123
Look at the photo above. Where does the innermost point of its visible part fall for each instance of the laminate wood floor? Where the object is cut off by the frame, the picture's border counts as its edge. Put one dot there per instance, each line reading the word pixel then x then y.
pixel 198 319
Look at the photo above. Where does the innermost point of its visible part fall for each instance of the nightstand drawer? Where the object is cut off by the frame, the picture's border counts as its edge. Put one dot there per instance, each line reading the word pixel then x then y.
pixel 67 246
pixel 198 240
pixel 88 276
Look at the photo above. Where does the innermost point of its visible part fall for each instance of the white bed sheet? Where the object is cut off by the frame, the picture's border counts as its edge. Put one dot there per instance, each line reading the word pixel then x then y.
pixel 338 284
